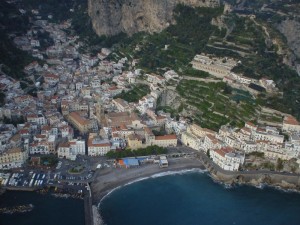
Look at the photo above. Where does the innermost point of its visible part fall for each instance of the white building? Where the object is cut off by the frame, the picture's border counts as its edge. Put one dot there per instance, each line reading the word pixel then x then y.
pixel 211 142
pixel 98 146
pixel 13 158
pixel 77 147
pixel 191 140
pixel 227 159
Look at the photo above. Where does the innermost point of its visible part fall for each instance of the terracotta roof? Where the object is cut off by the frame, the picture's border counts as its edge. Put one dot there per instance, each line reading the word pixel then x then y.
pixel 212 138
pixel 246 130
pixel 32 116
pixel 52 76
pixel 123 126
pixel 261 130
pixel 134 137
pixel 160 117
pixel 148 131
pixel 223 151
pixel 24 131
pixel 90 144
pixel 16 137
pixel 40 136
pixel 208 131
pixel 64 145
pixel 14 150
pixel 250 124
pixel 75 116
pixel 46 127
pixel 166 137
pixel 290 120
pixel 113 88
pixel 118 114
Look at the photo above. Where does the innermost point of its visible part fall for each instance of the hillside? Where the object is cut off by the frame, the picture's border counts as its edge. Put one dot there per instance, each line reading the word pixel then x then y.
pixel 113 17
pixel 209 30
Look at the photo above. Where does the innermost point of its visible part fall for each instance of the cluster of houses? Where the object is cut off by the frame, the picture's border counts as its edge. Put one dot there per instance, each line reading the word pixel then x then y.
pixel 75 111
pixel 228 146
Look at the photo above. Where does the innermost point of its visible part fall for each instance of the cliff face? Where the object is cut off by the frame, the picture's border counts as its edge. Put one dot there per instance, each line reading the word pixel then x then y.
pixel 291 30
pixel 110 17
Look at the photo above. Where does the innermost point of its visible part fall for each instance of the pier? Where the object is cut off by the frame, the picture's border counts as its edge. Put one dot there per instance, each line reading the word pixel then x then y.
pixel 88 212
pixel 92 216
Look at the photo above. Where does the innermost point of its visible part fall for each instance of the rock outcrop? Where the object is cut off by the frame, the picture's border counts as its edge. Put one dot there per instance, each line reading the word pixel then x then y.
pixel 291 30
pixel 110 17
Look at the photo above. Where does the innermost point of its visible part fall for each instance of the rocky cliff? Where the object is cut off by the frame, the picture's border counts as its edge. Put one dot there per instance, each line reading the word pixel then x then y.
pixel 291 30
pixel 110 17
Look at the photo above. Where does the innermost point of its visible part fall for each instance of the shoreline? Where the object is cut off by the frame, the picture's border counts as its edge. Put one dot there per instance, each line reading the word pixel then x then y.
pixel 113 178
pixel 116 178
pixel 107 180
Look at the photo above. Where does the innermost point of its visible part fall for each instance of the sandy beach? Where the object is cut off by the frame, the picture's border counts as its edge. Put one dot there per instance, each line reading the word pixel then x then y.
pixel 110 178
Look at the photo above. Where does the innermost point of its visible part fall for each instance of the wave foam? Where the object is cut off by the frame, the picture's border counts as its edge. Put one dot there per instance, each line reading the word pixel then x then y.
pixel 180 172
pixel 157 175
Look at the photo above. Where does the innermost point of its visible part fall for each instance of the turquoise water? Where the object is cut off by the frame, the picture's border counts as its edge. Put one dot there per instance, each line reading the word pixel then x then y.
pixel 48 210
pixel 193 198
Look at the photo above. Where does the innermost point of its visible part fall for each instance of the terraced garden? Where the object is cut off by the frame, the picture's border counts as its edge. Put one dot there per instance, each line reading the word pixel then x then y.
pixel 135 94
pixel 215 105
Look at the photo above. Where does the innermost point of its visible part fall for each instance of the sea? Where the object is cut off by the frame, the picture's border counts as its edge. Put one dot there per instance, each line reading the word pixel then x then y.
pixel 192 198
pixel 48 210
pixel 188 197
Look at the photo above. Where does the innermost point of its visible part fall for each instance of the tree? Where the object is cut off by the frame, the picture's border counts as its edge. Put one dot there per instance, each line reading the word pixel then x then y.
pixel 279 165
pixel 208 153
pixel 227 90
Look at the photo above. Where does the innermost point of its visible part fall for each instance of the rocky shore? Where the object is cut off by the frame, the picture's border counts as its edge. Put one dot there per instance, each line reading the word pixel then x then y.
pixel 17 209
pixel 284 181
pixel 110 178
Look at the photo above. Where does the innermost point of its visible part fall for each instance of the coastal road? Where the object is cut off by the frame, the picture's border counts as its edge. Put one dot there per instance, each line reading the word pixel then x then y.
pixel 204 158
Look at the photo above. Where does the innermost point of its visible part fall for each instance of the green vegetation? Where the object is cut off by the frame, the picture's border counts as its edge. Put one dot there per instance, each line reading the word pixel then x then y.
pixel 2 98
pixel 268 165
pixel 279 165
pixel 45 39
pixel 159 133
pixel 183 41
pixel 208 153
pixel 150 150
pixel 14 121
pixel 60 10
pixel 175 47
pixel 257 154
pixel 245 42
pixel 77 11
pixel 168 109
pixel 215 105
pixel 49 160
pixel 138 91
pixel 271 118
pixel 264 62
pixel 76 169
pixel 12 58
pixel 191 72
